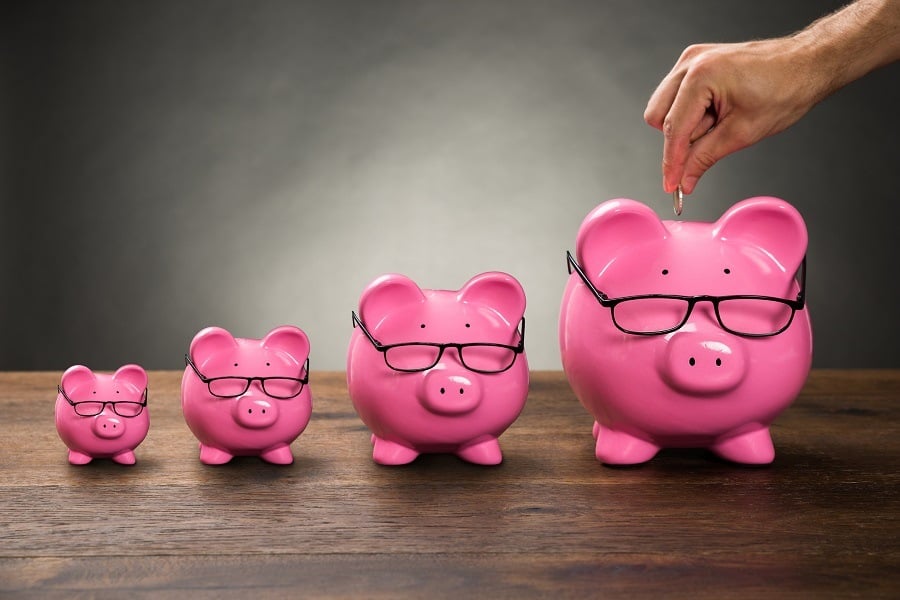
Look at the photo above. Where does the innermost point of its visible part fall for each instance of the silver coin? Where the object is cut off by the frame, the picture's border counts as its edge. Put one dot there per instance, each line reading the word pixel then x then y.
pixel 678 200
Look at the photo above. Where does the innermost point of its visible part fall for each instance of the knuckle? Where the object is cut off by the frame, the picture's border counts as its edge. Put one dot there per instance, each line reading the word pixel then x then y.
pixel 668 127
pixel 703 66
pixel 693 51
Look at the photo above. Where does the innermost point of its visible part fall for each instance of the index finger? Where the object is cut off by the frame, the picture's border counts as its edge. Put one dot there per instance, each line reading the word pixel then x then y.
pixel 688 110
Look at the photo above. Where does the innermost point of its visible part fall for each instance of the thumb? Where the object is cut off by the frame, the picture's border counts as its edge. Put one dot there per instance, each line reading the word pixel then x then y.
pixel 709 149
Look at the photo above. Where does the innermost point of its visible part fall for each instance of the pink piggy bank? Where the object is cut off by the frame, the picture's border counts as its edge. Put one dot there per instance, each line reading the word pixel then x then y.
pixel 102 416
pixel 682 334
pixel 247 397
pixel 437 371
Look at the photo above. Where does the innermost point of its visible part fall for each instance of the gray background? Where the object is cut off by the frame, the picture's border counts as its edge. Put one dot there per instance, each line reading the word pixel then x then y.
pixel 171 165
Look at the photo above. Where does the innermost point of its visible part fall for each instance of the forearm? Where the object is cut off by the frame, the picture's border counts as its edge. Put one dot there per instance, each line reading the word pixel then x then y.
pixel 851 42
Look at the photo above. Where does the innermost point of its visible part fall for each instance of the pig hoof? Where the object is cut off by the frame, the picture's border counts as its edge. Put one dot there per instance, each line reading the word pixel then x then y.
pixel 595 431
pixel 392 453
pixel 213 456
pixel 280 455
pixel 482 453
pixel 619 448
pixel 125 458
pixel 78 458
pixel 754 448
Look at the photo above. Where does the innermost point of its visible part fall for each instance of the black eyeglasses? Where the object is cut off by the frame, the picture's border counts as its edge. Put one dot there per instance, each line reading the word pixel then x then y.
pixel 92 408
pixel 657 314
pixel 232 386
pixel 412 357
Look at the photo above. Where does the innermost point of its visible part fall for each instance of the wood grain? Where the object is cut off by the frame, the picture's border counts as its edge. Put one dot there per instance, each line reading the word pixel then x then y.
pixel 821 521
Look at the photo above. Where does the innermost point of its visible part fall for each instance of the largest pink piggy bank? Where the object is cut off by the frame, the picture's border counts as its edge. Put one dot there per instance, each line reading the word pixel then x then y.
pixel 247 397
pixel 684 334
pixel 102 416
pixel 438 371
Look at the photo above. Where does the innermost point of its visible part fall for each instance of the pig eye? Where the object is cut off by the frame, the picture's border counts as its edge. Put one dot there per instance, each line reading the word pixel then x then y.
pixel 268 364
pixel 235 364
pixel 422 325
pixel 665 271
pixel 727 271
pixel 468 325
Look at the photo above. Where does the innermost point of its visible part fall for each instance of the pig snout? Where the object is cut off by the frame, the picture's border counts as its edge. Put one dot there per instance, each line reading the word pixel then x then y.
pixel 700 362
pixel 254 412
pixel 449 392
pixel 108 427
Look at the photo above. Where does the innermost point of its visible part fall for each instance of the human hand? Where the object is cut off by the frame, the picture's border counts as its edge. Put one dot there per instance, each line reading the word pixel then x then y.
pixel 720 98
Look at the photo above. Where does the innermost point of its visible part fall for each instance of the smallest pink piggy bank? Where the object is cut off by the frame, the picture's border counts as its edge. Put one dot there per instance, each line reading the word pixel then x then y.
pixel 439 371
pixel 247 397
pixel 102 416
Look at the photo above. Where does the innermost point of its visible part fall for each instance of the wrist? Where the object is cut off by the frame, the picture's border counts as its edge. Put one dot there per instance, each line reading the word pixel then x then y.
pixel 816 66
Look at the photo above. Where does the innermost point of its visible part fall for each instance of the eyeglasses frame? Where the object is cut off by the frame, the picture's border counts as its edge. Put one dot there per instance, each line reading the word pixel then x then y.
pixel 383 348
pixel 608 302
pixel 103 403
pixel 303 381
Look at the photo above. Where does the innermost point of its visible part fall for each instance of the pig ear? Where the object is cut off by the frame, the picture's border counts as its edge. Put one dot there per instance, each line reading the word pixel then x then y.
pixel 133 375
pixel 290 339
pixel 77 376
pixel 497 290
pixel 209 341
pixel 385 295
pixel 612 226
pixel 770 224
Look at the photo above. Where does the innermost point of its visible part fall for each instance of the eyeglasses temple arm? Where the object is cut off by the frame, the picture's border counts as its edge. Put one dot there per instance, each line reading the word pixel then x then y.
pixel 521 346
pixel 64 395
pixel 189 363
pixel 573 264
pixel 801 295
pixel 357 322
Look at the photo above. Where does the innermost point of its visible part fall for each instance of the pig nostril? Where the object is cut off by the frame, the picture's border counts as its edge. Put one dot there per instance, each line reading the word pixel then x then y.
pixel 692 362
pixel 718 362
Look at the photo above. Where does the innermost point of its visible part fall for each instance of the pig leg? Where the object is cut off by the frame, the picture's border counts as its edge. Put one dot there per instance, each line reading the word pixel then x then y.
pixel 486 452
pixel 125 457
pixel 78 458
pixel 386 452
pixel 279 455
pixel 751 448
pixel 619 448
pixel 213 456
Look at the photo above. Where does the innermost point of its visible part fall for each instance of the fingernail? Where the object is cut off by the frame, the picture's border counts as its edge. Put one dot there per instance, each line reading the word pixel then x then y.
pixel 689 183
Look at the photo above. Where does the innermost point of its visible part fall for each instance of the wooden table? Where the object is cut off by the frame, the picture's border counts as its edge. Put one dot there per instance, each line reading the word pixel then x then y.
pixel 550 521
